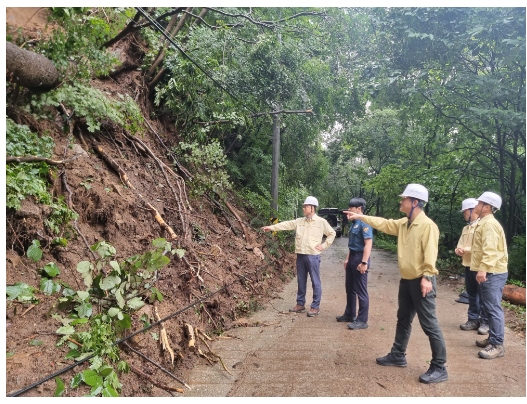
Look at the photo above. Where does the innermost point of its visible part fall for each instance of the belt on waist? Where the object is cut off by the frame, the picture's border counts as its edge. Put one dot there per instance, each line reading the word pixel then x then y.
pixel 356 252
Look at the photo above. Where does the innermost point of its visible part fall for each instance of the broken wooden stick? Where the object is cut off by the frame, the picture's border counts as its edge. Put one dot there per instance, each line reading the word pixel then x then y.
pixel 227 218
pixel 247 240
pixel 164 337
pixel 25 311
pixel 161 167
pixel 162 223
pixel 191 338
pixel 154 382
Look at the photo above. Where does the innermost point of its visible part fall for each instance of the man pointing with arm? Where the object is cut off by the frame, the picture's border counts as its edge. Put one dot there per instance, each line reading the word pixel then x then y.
pixel 308 245
pixel 417 247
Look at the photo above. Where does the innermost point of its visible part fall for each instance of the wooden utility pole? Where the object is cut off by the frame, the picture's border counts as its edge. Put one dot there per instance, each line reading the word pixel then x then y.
pixel 275 166
pixel 276 152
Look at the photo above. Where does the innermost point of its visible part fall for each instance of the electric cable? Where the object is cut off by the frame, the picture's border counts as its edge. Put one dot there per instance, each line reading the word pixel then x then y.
pixel 161 30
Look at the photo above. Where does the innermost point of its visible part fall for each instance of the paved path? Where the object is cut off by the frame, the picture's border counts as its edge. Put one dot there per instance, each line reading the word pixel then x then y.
pixel 301 356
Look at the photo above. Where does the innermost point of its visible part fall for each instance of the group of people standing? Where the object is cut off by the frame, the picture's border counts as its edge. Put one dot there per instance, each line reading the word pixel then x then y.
pixel 482 247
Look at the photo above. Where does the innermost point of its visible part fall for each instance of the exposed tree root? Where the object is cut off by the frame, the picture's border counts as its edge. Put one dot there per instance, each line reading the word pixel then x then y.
pixel 127 182
pixel 153 381
pixel 11 159
pixel 200 333
pixel 156 364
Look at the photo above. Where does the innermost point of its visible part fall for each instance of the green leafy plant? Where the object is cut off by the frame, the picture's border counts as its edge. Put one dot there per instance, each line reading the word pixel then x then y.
pixel 26 178
pixel 34 253
pixel 60 387
pixel 208 161
pixel 86 183
pixel 75 47
pixel 46 283
pixel 93 105
pixel 21 292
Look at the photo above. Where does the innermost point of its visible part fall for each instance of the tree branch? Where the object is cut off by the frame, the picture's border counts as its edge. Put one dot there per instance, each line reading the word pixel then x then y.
pixel 282 111
pixel 11 159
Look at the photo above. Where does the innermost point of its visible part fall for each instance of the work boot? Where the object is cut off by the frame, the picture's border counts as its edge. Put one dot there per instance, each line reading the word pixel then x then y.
pixel 483 343
pixel 393 360
pixel 357 325
pixel 483 329
pixel 434 374
pixel 313 312
pixel 470 325
pixel 492 351
pixel 345 319
pixel 297 309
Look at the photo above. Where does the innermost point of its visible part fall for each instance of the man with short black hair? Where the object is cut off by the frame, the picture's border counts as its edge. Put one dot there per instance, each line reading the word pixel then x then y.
pixel 356 266
pixel 417 247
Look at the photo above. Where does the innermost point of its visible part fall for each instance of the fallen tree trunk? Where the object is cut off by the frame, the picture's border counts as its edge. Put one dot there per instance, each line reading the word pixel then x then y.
pixel 514 294
pixel 30 69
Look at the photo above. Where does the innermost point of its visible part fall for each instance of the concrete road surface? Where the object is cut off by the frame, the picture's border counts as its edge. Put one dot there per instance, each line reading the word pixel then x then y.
pixel 299 356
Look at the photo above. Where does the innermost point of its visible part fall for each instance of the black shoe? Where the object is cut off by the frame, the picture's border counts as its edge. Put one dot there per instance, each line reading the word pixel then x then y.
pixel 393 360
pixel 357 325
pixel 344 319
pixel 434 374
pixel 470 325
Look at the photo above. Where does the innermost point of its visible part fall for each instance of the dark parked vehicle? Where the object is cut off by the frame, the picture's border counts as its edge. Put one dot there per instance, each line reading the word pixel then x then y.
pixel 332 215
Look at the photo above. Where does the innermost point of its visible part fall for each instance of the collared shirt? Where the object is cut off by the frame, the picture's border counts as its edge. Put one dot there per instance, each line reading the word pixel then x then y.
pixel 489 247
pixel 358 233
pixel 309 233
pixel 417 244
pixel 465 242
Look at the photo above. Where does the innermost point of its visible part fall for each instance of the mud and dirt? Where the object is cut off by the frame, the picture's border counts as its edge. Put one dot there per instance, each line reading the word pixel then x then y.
pixel 112 212
pixel 109 211
pixel 292 355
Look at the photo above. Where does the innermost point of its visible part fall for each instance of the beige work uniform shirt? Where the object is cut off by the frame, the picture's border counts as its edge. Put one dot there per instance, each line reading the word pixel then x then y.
pixel 489 247
pixel 417 245
pixel 465 242
pixel 308 233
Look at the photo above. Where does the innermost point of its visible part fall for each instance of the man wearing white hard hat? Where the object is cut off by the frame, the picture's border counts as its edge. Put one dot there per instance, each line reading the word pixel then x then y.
pixel 490 260
pixel 417 247
pixel 477 319
pixel 308 245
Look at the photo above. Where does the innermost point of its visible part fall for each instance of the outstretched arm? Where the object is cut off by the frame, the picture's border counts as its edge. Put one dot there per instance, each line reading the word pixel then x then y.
pixel 388 226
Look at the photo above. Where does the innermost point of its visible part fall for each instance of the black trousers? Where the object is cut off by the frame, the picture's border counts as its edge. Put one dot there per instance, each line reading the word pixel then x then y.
pixel 356 288
pixel 411 301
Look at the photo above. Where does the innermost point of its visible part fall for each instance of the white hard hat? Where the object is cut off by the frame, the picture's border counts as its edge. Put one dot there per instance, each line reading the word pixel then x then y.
pixel 311 200
pixel 491 198
pixel 416 191
pixel 469 203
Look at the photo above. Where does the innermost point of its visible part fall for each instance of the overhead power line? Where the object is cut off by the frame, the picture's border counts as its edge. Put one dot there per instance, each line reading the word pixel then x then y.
pixel 159 28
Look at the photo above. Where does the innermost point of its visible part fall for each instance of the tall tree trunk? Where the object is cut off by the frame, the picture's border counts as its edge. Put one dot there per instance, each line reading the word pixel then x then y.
pixel 512 197
pixel 504 204
pixel 129 28
pixel 162 52
pixel 30 69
